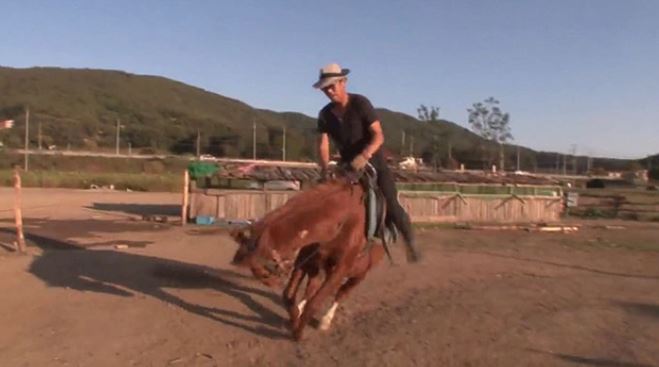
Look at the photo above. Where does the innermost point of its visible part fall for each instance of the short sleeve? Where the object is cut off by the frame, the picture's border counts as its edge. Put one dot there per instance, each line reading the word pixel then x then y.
pixel 322 124
pixel 368 112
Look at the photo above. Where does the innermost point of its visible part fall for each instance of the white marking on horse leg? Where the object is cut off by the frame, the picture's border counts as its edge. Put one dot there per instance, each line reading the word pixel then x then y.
pixel 300 306
pixel 326 322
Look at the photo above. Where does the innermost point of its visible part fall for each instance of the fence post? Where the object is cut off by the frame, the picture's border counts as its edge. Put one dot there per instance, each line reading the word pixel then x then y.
pixel 20 237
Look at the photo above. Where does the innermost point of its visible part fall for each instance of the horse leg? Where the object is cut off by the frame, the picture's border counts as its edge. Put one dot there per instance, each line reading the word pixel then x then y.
pixel 305 265
pixel 328 287
pixel 314 281
pixel 358 274
pixel 290 293
pixel 336 272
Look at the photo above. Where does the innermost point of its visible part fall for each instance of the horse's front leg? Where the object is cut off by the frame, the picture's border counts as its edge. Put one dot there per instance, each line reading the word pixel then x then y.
pixel 290 294
pixel 313 283
pixel 362 265
pixel 329 287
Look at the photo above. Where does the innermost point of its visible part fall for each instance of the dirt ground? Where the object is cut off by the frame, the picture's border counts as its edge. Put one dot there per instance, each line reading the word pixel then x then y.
pixel 169 297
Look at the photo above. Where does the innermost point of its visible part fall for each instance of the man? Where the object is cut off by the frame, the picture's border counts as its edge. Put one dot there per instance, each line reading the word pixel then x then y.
pixel 352 124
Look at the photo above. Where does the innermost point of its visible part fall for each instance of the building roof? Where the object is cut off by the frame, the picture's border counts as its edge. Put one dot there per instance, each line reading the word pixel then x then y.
pixel 306 173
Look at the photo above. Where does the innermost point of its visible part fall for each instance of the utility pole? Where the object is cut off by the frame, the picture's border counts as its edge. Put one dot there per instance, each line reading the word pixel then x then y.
pixel 116 147
pixel 253 139
pixel 39 135
pixel 450 151
pixel 573 152
pixel 518 157
pixel 283 145
pixel 27 135
pixel 412 146
pixel 402 144
pixel 649 163
pixel 558 162
pixel 198 143
pixel 130 149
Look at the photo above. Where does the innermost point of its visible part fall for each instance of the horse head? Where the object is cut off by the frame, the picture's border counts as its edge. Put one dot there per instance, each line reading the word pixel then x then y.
pixel 266 263
pixel 246 245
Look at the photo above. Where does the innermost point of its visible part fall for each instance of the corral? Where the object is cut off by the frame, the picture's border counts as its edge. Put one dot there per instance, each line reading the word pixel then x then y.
pixel 429 197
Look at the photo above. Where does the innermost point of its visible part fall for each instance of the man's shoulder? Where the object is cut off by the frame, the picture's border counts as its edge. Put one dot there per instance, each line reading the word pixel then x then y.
pixel 325 109
pixel 358 98
pixel 360 102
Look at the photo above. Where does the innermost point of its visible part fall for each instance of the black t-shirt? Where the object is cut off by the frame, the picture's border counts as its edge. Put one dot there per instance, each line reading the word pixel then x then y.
pixel 351 133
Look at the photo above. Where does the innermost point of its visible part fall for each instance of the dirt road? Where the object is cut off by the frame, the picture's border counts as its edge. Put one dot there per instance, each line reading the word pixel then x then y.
pixel 479 298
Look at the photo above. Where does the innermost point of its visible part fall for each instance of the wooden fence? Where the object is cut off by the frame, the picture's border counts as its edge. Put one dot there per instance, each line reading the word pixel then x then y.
pixel 423 206
pixel 611 203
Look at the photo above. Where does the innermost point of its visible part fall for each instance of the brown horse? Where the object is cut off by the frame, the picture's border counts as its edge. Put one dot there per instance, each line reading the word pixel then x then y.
pixel 319 229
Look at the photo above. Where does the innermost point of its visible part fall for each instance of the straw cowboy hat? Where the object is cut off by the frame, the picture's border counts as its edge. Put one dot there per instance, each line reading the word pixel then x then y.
pixel 329 75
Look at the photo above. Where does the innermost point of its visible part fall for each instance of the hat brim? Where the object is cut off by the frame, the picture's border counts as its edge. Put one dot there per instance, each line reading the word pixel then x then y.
pixel 326 82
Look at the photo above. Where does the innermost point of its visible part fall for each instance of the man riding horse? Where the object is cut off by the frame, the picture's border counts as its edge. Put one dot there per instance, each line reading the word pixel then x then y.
pixel 322 229
pixel 352 124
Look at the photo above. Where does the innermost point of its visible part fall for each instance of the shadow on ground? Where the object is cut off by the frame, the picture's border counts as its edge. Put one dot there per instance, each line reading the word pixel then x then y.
pixel 641 309
pixel 139 209
pixel 84 231
pixel 69 265
pixel 590 361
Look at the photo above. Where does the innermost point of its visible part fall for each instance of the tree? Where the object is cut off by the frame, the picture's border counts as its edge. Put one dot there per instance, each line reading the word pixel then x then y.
pixel 428 115
pixel 488 121
pixel 433 151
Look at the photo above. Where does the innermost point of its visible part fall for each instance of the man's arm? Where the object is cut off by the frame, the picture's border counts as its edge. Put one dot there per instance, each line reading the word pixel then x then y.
pixel 376 141
pixel 360 161
pixel 323 151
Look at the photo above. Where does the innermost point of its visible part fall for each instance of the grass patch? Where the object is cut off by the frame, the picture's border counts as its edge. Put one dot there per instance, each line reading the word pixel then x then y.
pixel 165 182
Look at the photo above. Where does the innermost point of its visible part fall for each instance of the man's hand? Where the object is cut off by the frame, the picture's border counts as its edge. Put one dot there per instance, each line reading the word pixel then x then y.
pixel 326 174
pixel 359 162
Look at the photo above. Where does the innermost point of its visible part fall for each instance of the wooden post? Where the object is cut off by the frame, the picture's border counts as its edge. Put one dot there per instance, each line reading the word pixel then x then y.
pixel 184 205
pixel 20 237
pixel 198 143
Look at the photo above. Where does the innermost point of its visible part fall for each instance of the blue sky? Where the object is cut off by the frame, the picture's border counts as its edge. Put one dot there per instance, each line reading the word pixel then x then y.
pixel 568 72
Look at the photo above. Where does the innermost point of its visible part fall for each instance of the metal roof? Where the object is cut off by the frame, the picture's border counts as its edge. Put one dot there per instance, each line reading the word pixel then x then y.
pixel 272 172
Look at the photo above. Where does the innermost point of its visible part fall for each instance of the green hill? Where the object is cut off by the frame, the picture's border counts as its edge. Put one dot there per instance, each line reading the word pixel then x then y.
pixel 79 108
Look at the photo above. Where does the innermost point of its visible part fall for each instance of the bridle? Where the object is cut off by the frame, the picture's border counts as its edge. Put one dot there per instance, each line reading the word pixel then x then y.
pixel 276 266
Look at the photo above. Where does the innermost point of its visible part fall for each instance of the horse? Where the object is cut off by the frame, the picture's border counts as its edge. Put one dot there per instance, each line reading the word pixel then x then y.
pixel 322 228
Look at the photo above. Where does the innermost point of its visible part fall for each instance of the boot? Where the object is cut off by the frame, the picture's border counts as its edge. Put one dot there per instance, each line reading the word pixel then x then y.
pixel 411 251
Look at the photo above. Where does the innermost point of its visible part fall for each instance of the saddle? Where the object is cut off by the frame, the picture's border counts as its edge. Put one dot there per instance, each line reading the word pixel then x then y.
pixel 375 205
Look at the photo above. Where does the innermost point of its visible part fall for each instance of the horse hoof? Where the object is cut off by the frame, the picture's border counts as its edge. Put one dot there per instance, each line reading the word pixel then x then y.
pixel 325 326
pixel 297 335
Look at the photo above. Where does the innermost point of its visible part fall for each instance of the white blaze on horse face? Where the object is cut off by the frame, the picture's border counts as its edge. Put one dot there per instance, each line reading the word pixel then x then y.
pixel 303 234
pixel 300 306
pixel 326 322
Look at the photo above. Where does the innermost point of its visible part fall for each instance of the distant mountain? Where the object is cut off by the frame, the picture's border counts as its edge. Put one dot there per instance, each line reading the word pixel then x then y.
pixel 80 108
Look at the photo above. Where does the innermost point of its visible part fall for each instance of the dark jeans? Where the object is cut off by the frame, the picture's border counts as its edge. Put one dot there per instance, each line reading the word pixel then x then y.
pixel 395 212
